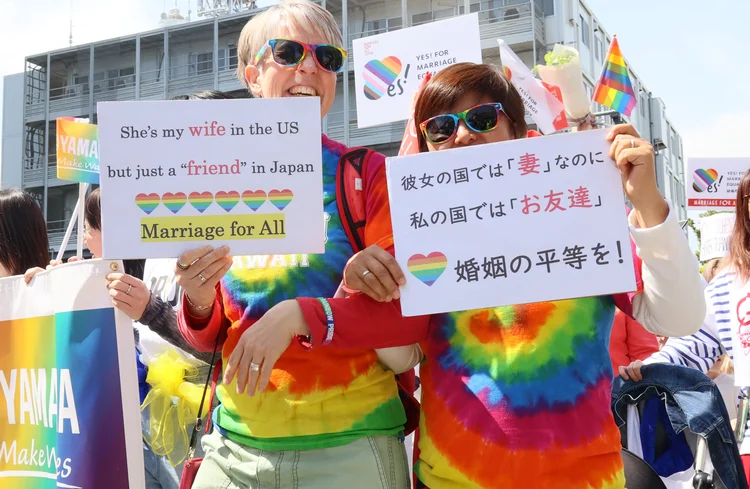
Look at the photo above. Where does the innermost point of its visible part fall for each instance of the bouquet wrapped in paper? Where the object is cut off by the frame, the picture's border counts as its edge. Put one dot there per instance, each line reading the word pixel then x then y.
pixel 563 68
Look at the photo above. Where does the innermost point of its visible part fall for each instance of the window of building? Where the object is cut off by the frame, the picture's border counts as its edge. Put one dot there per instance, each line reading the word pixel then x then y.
pixel 598 49
pixel 585 32
pixel 383 25
pixel 548 6
pixel 642 104
pixel 433 15
pixel 201 63
pixel 124 77
pixel 227 58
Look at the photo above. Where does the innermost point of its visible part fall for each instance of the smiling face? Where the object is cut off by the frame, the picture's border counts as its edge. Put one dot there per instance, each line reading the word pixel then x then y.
pixel 272 80
pixel 465 136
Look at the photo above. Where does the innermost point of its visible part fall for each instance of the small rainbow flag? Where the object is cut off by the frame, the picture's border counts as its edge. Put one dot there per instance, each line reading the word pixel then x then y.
pixel 614 89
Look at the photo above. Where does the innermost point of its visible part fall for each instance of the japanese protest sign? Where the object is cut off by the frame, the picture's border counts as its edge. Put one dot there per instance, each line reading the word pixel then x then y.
pixel 712 182
pixel 517 222
pixel 244 173
pixel 77 151
pixel 69 403
pixel 388 67
pixel 715 233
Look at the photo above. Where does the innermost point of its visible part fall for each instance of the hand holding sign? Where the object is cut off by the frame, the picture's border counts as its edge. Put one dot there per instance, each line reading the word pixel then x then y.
pixel 197 272
pixel 242 173
pixel 635 160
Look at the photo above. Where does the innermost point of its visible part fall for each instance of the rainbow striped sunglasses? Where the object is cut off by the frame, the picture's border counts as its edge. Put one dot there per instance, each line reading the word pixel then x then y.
pixel 291 53
pixel 480 118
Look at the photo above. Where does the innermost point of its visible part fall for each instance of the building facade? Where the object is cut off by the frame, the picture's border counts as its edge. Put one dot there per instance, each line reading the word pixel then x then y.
pixel 181 57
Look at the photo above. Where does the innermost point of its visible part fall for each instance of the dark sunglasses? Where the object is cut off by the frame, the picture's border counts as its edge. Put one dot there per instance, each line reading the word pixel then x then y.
pixel 480 118
pixel 291 53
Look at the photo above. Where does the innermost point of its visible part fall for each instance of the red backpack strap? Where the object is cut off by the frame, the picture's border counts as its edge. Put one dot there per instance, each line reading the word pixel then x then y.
pixel 350 187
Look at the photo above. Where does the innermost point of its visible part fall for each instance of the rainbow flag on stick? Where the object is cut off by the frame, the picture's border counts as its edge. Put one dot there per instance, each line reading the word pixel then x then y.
pixel 614 89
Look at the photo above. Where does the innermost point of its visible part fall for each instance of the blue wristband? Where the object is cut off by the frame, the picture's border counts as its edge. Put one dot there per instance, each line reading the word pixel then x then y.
pixel 329 320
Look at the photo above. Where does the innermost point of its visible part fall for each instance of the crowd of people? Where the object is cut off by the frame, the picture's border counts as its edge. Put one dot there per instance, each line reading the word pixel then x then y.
pixel 317 385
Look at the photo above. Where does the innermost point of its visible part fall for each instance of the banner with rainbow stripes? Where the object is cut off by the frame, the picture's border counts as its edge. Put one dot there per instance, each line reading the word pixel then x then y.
pixel 77 150
pixel 69 414
pixel 614 89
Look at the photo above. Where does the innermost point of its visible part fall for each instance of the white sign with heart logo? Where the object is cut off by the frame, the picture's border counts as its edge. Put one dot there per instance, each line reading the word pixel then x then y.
pixel 388 67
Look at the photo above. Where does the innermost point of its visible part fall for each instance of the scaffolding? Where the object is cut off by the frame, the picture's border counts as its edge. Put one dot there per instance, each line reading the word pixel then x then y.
pixel 218 8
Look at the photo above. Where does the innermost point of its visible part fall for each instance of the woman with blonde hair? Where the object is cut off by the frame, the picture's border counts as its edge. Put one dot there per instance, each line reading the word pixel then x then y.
pixel 323 417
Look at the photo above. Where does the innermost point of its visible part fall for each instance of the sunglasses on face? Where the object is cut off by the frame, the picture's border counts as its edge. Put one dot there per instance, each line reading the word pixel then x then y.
pixel 291 53
pixel 480 118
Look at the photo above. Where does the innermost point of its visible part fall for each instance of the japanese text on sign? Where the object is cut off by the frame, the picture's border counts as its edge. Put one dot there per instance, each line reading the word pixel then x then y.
pixel 530 220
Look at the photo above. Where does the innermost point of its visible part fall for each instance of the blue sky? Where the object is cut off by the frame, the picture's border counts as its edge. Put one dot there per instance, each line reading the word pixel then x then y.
pixel 694 55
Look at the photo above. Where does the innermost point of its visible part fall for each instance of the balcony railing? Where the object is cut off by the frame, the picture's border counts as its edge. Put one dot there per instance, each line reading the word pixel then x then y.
pixel 33 172
pixel 510 22
pixel 56 233
pixel 382 134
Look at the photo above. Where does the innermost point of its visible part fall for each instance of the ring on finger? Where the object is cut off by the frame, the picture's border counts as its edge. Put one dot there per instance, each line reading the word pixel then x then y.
pixel 127 292
pixel 632 142
pixel 203 279
pixel 181 265
pixel 364 274
pixel 254 366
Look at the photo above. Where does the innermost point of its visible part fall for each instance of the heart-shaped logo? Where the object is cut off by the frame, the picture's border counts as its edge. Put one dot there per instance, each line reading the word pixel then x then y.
pixel 227 200
pixel 147 202
pixel 254 198
pixel 427 268
pixel 379 75
pixel 201 200
pixel 702 179
pixel 174 202
pixel 280 198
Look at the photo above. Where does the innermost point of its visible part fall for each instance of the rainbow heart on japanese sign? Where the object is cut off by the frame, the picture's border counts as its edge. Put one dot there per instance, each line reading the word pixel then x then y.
pixel 227 200
pixel 379 75
pixel 147 202
pixel 174 202
pixel 280 198
pixel 201 200
pixel 427 268
pixel 254 198
pixel 702 179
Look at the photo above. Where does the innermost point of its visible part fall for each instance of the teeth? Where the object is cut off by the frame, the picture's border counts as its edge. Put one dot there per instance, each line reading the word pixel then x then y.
pixel 303 91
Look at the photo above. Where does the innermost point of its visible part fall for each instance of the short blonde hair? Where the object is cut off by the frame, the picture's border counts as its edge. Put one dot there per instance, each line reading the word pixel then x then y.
pixel 301 13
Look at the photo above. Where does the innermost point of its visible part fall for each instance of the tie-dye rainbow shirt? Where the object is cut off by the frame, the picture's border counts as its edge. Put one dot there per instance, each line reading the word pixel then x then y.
pixel 519 396
pixel 316 398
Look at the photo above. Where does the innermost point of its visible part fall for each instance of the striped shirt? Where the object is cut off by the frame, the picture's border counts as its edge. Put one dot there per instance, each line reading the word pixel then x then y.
pixel 702 349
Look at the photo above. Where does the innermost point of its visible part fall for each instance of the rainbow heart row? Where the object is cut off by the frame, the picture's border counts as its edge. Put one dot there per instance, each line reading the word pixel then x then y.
pixel 254 199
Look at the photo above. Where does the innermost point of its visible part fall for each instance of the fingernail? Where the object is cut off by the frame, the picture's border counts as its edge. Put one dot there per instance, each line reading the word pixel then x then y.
pixel 388 299
pixel 224 249
pixel 396 295
pixel 402 281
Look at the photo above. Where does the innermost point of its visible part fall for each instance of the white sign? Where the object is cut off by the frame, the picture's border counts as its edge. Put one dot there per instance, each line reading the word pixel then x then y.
pixel 179 174
pixel 711 183
pixel 69 410
pixel 388 67
pixel 518 222
pixel 715 233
